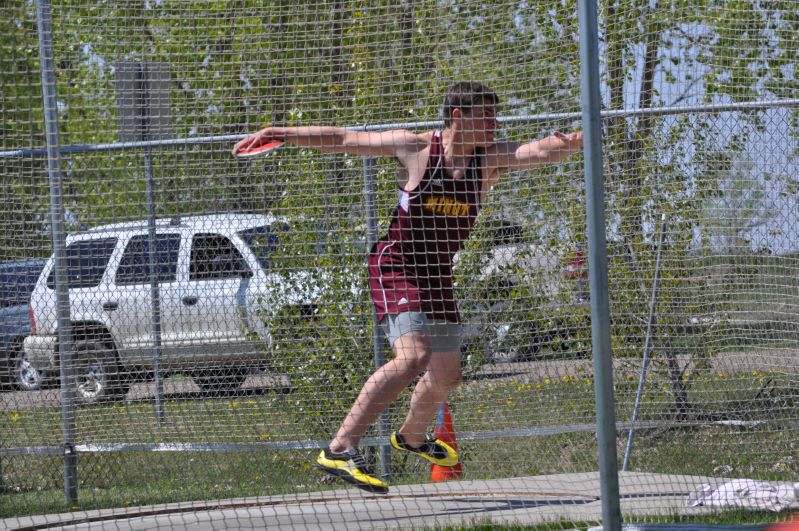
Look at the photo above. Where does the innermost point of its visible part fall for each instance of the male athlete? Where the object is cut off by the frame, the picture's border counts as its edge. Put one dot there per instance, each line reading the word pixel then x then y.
pixel 443 180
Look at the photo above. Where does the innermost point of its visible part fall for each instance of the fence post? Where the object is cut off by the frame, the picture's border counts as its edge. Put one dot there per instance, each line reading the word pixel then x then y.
pixel 370 192
pixel 598 266
pixel 50 103
pixel 155 293
pixel 142 95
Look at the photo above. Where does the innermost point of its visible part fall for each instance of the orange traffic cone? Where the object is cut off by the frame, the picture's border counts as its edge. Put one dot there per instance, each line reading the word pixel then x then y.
pixel 446 433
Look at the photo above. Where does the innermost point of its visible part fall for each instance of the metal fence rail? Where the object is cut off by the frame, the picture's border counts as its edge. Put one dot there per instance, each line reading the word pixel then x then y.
pixel 525 119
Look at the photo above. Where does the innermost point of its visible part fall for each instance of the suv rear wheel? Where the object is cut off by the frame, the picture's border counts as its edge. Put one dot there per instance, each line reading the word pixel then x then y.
pixel 97 376
pixel 220 379
pixel 26 377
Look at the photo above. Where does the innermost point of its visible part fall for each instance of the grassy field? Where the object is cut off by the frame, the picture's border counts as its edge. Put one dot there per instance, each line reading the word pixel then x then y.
pixel 33 484
pixel 734 518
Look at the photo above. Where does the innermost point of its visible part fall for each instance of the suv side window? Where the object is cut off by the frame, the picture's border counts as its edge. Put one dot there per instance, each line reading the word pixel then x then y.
pixel 86 263
pixel 134 266
pixel 17 282
pixel 215 257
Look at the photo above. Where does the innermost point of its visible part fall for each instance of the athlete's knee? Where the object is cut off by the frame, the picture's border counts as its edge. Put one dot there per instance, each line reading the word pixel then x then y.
pixel 417 363
pixel 414 351
pixel 452 378
pixel 447 378
pixel 408 368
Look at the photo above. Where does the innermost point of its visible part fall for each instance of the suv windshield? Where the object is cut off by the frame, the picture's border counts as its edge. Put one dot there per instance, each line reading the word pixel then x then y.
pixel 263 241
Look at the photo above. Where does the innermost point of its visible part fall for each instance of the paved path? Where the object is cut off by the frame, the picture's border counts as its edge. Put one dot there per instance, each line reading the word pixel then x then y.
pixel 522 501
pixel 174 388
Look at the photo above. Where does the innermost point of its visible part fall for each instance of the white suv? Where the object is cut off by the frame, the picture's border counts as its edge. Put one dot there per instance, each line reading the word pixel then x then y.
pixel 215 281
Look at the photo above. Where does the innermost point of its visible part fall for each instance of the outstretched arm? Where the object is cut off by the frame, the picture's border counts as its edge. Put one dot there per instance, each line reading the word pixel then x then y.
pixel 337 140
pixel 554 148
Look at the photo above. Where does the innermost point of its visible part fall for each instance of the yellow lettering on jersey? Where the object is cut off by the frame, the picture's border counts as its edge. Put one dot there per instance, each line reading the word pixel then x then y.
pixel 446 205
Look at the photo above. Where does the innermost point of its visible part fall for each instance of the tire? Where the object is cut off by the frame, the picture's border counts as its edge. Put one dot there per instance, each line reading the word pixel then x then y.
pixel 96 374
pixel 25 376
pixel 508 356
pixel 501 345
pixel 512 345
pixel 220 379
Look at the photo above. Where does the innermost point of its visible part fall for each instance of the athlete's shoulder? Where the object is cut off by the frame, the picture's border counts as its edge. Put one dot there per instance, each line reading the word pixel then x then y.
pixel 410 143
pixel 426 136
pixel 496 159
pixel 420 140
pixel 499 156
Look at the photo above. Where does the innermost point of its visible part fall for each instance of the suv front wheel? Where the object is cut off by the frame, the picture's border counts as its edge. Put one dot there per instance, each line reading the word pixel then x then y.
pixel 97 376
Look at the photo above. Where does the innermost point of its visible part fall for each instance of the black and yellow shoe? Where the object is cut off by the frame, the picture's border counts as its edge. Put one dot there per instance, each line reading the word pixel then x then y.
pixel 351 467
pixel 434 450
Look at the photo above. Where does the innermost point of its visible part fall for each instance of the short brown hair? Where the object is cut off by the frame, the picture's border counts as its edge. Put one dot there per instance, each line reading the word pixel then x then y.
pixel 465 95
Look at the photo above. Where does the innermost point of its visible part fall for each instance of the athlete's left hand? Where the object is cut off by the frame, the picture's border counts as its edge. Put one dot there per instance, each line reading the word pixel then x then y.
pixel 572 141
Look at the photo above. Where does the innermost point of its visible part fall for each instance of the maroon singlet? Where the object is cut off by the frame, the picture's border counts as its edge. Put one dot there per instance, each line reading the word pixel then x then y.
pixel 410 268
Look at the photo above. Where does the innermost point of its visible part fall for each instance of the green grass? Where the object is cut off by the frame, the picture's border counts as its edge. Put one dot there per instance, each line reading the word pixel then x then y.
pixel 33 484
pixel 488 525
pixel 733 517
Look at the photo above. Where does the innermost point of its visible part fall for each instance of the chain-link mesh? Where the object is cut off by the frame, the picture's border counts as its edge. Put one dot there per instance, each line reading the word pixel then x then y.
pixel 221 324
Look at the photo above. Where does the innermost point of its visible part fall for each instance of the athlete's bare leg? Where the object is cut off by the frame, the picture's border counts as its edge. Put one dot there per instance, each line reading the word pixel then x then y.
pixel 412 355
pixel 442 377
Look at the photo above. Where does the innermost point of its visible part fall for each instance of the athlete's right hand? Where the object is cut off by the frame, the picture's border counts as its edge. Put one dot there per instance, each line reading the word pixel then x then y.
pixel 257 139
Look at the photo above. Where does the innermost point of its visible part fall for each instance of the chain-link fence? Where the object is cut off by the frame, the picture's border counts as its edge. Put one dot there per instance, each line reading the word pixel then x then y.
pixel 218 322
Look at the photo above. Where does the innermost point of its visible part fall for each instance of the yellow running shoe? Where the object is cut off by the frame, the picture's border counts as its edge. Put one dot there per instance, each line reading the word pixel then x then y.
pixel 434 450
pixel 351 467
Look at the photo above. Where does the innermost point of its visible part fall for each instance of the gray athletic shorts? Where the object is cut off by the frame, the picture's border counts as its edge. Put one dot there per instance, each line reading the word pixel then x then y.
pixel 445 336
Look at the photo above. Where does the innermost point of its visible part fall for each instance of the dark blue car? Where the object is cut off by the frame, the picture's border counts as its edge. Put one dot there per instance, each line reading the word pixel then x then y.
pixel 17 280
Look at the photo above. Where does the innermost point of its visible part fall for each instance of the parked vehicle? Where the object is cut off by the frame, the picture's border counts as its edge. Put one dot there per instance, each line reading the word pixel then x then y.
pixel 17 280
pixel 521 299
pixel 215 279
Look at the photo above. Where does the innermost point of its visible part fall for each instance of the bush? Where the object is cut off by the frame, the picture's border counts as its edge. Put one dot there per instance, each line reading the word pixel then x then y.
pixel 322 339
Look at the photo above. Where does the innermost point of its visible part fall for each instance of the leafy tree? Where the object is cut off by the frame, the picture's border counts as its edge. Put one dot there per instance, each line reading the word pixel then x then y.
pixel 668 54
pixel 740 205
